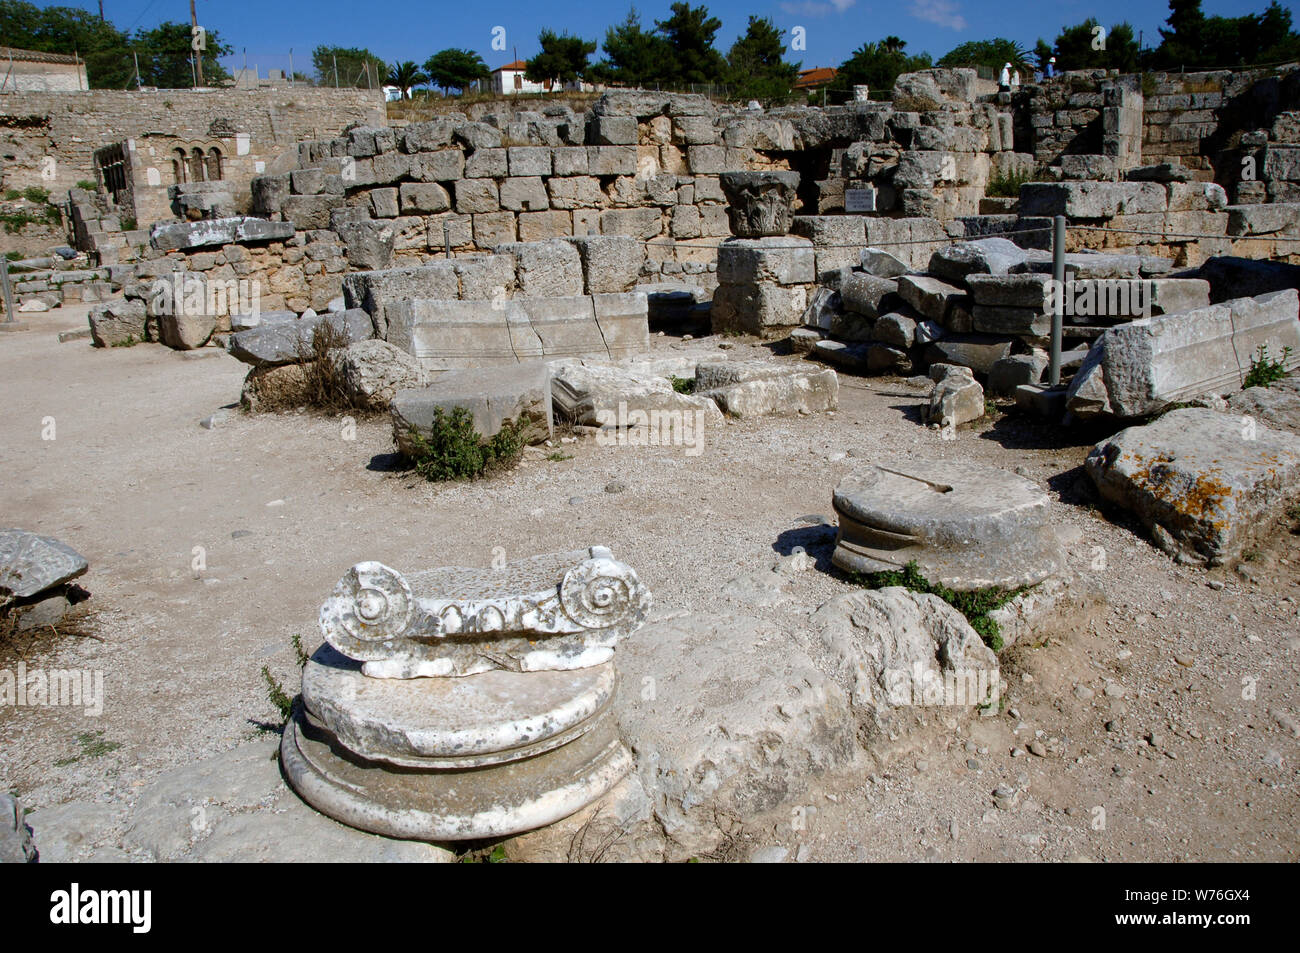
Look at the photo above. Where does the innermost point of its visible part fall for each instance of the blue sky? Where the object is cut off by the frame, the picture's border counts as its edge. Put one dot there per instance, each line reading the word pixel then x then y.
pixel 398 30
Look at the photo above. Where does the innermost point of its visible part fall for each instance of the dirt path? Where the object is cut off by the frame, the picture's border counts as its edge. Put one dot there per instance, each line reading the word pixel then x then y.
pixel 282 505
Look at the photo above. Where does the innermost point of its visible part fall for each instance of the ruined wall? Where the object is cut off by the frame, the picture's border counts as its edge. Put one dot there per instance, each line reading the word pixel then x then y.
pixel 47 139
pixel 641 164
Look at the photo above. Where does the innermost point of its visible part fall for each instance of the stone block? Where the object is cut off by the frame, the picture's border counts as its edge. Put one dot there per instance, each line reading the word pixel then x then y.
pixel 384 203
pixel 423 198
pixel 520 394
pixel 637 222
pixel 760 388
pixel 612 131
pixel 546 269
pixel 979 352
pixel 541 226
pixel 868 295
pixel 1146 365
pixel 474 196
pixel 577 191
pixel 444 165
pixel 524 194
pixel 929 296
pixel 610 263
pixel 494 228
pixel 1198 486
pixel 487 163
pixel 568 160
pixel 785 260
pixel 289 342
pixel 762 308
pixel 529 160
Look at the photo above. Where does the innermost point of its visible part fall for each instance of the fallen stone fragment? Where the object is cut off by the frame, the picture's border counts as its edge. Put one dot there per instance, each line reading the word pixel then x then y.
pixel 898 649
pixel 709 743
pixel 287 342
pixel 520 393
pixel 373 371
pixel 117 323
pixel 1145 365
pixel 31 564
pixel 756 389
pixel 601 395
pixel 1200 481
pixel 956 399
pixel 985 256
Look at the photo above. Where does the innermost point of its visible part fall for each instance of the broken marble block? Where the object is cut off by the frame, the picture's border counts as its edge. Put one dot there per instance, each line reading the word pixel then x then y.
pixel 759 388
pixel 966 525
pixel 31 564
pixel 1139 368
pixel 1201 481
pixel 458 704
pixel 601 395
pixel 956 399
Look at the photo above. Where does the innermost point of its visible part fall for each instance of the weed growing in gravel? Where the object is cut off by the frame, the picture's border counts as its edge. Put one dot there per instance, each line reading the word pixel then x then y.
pixel 1263 371
pixel 975 605
pixel 454 450
pixel 92 745
pixel 299 652
pixel 276 693
pixel 683 385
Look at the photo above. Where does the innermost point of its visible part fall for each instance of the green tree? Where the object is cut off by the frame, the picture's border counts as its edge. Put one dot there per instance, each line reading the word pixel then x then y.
pixel 68 30
pixel 690 32
pixel 993 54
pixel 455 69
pixel 1195 41
pixel 165 53
pixel 356 67
pixel 563 57
pixel 405 75
pixel 757 66
pixel 876 67
pixel 633 56
pixel 1076 47
pixel 1043 53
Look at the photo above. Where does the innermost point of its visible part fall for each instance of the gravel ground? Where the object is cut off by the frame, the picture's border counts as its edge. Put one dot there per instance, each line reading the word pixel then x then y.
pixel 1164 729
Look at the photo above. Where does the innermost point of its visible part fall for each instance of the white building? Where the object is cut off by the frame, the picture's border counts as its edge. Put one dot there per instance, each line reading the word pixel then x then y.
pixel 510 79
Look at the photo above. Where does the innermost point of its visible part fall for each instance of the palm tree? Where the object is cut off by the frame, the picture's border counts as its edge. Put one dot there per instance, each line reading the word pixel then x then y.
pixel 892 44
pixel 404 76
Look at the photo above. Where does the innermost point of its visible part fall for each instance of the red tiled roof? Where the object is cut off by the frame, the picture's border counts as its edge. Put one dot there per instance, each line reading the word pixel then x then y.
pixel 517 64
pixel 35 56
pixel 817 76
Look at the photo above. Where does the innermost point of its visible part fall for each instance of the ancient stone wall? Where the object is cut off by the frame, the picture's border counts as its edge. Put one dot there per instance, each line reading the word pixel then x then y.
pixel 47 139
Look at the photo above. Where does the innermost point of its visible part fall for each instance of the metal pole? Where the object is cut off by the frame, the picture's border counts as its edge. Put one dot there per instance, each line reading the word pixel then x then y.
pixel 446 237
pixel 1058 298
pixel 291 66
pixel 8 291
pixel 336 70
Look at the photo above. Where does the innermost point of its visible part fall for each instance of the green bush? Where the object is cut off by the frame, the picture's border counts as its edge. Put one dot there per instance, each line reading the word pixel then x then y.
pixel 87 185
pixel 1007 186
pixel 974 605
pixel 12 195
pixel 454 450
pixel 34 193
pixel 1264 371
pixel 683 385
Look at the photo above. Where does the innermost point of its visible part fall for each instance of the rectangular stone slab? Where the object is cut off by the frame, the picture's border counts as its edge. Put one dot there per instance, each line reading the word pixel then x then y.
pixel 1151 363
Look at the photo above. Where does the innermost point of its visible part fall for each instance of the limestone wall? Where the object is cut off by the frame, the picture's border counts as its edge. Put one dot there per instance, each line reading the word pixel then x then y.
pixel 256 125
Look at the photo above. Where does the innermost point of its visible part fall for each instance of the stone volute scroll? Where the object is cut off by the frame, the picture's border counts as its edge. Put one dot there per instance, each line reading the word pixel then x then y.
pixel 457 703
pixel 554 612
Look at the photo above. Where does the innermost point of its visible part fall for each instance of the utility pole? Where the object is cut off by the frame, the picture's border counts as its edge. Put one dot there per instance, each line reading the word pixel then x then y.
pixel 198 54
pixel 101 11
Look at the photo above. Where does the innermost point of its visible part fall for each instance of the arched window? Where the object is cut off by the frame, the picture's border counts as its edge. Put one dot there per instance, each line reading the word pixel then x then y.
pixel 179 164
pixel 214 164
pixel 197 171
